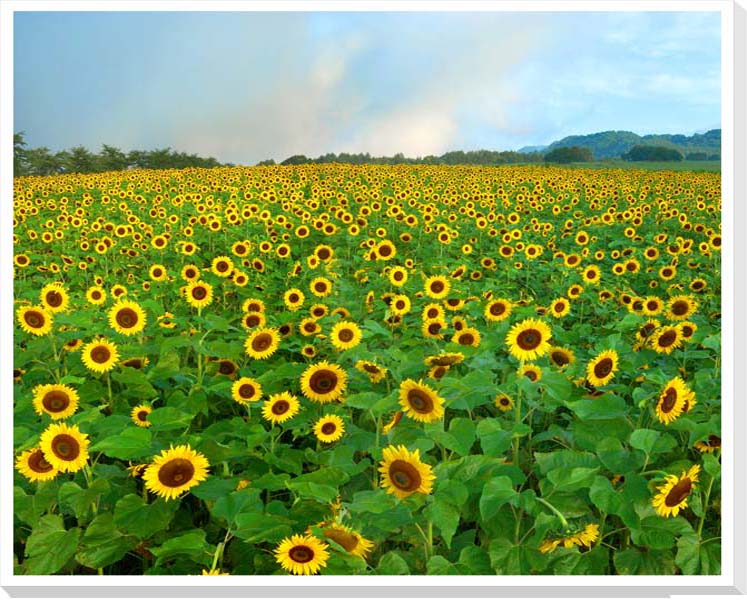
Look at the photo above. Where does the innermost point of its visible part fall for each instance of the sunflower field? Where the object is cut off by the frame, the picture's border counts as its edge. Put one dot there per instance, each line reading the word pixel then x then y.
pixel 353 370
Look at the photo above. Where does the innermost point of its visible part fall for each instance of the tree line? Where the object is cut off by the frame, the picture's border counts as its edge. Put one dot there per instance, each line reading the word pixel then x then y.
pixel 457 157
pixel 42 161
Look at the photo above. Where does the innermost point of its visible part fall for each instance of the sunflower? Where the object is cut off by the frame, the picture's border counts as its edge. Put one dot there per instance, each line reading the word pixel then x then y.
pixel 647 329
pixel 199 294
pixel 498 309
pixel 222 266
pixel 674 399
pixel 127 317
pixel 467 336
pixel 584 538
pixel 136 362
pixel 245 390
pixel 64 447
pixel 139 415
pixel 190 273
pixel 175 471
pixel 58 401
pixel 323 382
pixel 308 351
pixel 213 572
pixel 529 339
pixel 531 372
pixel 444 359
pixel 329 429
pixel 293 299
pixel 503 402
pixel 96 295
pixel 601 369
pixel 100 355
pixel 561 357
pixel 345 335
pixel 709 446
pixel 687 329
pixel 398 276
pixel 385 250
pixel 681 307
pixel 34 319
pixel 665 339
pixel 309 326
pixel 437 287
pixel 437 372
pixel 35 467
pixel 375 372
pixel 158 272
pixel 352 541
pixel 262 343
pixel 673 495
pixel 278 408
pixel 54 298
pixel 400 305
pixel 302 554
pixel 560 307
pixel 403 473
pixel 432 311
pixel 321 287
pixel 420 401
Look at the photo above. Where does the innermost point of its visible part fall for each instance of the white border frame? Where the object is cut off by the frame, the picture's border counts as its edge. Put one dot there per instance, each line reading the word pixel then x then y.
pixel 468 586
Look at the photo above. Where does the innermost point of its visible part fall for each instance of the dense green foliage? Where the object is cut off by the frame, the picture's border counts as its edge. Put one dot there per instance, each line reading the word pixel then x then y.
pixel 652 153
pixel 569 155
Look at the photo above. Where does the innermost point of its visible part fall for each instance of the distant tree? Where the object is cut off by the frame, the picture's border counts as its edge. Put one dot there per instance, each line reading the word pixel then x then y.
pixel 569 154
pixel 20 159
pixel 40 161
pixel 296 159
pixel 652 153
pixel 111 159
pixel 714 157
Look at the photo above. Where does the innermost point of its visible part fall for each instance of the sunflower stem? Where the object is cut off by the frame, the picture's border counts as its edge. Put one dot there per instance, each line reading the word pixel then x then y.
pixel 109 391
pixel 559 514
pixel 517 421
pixel 705 508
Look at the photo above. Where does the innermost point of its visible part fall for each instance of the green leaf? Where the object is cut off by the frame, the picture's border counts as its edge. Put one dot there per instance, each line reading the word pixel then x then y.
pixel 694 558
pixel 167 366
pixel 495 494
pixel 636 562
pixel 392 563
pixel 102 544
pixel 256 527
pixel 476 560
pixel 438 565
pixel 644 439
pixel 659 533
pixel 604 496
pixel 192 544
pixel 446 517
pixel 493 438
pixel 134 383
pixel 228 507
pixel 50 546
pixel 72 496
pixel 214 488
pixel 548 461
pixel 168 418
pixel 133 515
pixel 712 465
pixel 607 406
pixel 321 492
pixel 377 501
pixel 572 479
pixel 557 386
pixel 616 458
pixel 134 442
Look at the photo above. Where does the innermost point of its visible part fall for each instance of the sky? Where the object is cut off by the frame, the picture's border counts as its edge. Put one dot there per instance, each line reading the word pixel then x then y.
pixel 243 87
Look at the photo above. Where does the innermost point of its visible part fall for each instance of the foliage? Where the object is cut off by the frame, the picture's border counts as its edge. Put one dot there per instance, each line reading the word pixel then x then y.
pixel 652 154
pixel 569 154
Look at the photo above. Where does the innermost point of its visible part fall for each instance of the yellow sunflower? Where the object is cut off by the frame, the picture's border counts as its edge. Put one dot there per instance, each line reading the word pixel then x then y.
pixel 139 415
pixel 222 266
pixel 34 319
pixel 345 335
pixel 329 429
pixel 529 339
pixel 400 305
pixel 665 339
pixel 444 359
pixel 199 294
pixel 375 372
pixel 404 474
pixel 467 336
pixel 262 343
pixel 498 309
pixel 673 495
pixel 96 295
pixel 601 369
pixel 584 538
pixel 245 390
pixel 561 357
pixel 503 402
pixel 302 554
pixel 398 276
pixel 681 307
pixel 352 541
pixel 175 471
pixel 320 287
pixel 437 287
pixel 64 447
pixel 57 400
pixel 560 307
pixel 278 408
pixel 158 272
pixel 35 467
pixel 531 372
pixel 710 445
pixel 674 399
pixel 420 402
pixel 323 382
pixel 54 298
pixel 100 355
pixel 293 299
pixel 127 317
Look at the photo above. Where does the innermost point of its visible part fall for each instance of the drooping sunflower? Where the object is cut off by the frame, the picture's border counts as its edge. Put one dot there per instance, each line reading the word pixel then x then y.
pixel 529 339
pixel 245 390
pixel 64 447
pixel 420 401
pixel 681 307
pixel 54 298
pixel 467 336
pixel 127 317
pixel 57 400
pixel 352 541
pixel 100 355
pixel 262 343
pixel 35 467
pixel 293 299
pixel 583 538
pixel 175 471
pixel 673 495
pixel 323 382
pixel 35 320
pixel 561 357
pixel 199 294
pixel 498 309
pixel 665 339
pixel 404 474
pixel 503 402
pixel 136 362
pixel 710 445
pixel 302 554
pixel 444 359
pixel 674 399
pixel 560 307
pixel 346 335
pixel 278 408
pixel 375 372
pixel 139 415
pixel 73 345
pixel 601 369
pixel 437 287
pixel 329 428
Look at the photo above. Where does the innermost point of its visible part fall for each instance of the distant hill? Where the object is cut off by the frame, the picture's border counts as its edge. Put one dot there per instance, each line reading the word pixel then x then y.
pixel 612 144
pixel 529 149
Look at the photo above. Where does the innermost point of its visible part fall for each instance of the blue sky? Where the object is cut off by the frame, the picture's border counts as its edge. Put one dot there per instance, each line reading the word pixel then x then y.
pixel 247 86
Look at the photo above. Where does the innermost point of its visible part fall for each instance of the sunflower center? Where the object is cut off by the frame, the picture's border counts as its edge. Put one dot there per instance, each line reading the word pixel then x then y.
pixel 323 253
pixel 434 328
pixel 559 307
pixel 34 319
pixel 54 298
pixel 529 339
pixel 369 368
pixel 96 295
pixel 504 401
pixel 647 329
pixel 190 273
pixel 652 305
pixel 65 447
pixel 38 463
pixel 398 276
pixel 687 331
pixel 603 368
pixel 437 287
pixel 199 293
pixel 420 401
pixel 667 338
pixel 252 321
pixel 385 250
pixel 680 308
pixel 226 368
pixel 531 375
pixel 142 415
pixel 345 539
pixel 345 335
pixel 404 476
pixel 301 554
pixel 176 472
pixel 100 355
pixel 323 381
pixel 56 401
pixel 669 400
pixel 679 492
pixel 466 339
pixel 126 318
pixel 280 407
pixel 432 313
pixel 329 428
pixel 247 390
pixel 497 309
pixel 262 342
pixel 293 298
pixel 222 266
pixel 320 287
pixel 560 358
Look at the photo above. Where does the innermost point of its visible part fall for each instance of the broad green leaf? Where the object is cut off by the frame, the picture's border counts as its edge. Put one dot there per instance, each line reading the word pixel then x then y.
pixel 134 442
pixel 102 544
pixel 495 494
pixel 572 479
pixel 191 544
pixel 644 439
pixel 392 563
pixel 493 438
pixel 50 546
pixel 133 515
